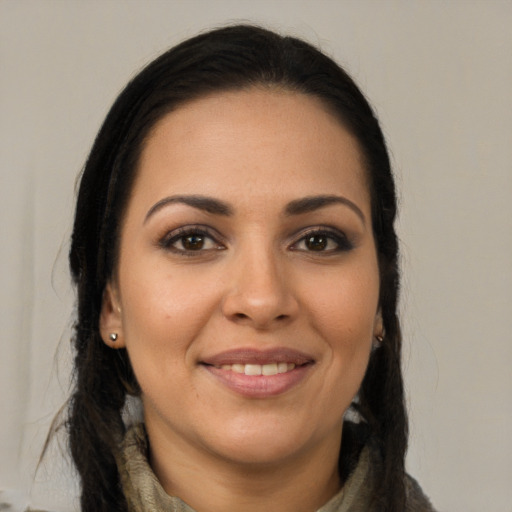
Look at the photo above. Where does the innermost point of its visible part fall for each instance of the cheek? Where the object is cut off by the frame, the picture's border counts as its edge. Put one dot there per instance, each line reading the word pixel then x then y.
pixel 346 303
pixel 162 315
pixel 344 314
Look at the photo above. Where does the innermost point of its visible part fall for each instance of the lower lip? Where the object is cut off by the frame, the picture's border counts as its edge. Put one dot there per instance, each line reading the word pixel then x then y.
pixel 259 386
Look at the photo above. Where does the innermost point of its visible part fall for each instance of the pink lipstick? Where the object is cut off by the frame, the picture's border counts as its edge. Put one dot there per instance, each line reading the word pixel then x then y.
pixel 259 373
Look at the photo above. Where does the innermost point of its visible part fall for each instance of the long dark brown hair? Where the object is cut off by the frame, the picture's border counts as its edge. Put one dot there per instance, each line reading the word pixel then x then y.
pixel 231 58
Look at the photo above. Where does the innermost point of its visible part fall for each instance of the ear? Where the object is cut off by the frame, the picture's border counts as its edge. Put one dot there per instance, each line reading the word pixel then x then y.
pixel 378 325
pixel 111 323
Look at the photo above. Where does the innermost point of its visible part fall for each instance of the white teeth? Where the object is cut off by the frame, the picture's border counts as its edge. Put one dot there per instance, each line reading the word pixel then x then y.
pixel 238 368
pixel 259 369
pixel 252 369
pixel 269 369
pixel 282 367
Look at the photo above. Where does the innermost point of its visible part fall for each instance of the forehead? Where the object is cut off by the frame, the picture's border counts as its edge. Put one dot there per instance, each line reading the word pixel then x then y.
pixel 252 143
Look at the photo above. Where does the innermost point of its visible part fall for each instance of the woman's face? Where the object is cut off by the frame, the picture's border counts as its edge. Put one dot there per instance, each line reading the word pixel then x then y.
pixel 247 286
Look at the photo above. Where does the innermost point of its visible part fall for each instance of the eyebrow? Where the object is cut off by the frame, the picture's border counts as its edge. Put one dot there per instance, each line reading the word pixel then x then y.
pixel 312 203
pixel 207 204
pixel 218 207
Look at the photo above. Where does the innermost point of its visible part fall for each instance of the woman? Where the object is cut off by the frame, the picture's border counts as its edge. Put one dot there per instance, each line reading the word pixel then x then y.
pixel 237 269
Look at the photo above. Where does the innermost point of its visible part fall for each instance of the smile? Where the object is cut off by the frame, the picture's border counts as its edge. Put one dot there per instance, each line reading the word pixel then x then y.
pixel 259 369
pixel 259 373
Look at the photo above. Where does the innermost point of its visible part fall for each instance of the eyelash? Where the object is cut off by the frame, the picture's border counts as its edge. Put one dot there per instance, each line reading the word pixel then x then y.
pixel 343 244
pixel 170 239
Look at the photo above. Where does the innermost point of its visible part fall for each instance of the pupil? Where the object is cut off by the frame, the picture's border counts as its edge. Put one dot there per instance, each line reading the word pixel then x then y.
pixel 316 243
pixel 193 242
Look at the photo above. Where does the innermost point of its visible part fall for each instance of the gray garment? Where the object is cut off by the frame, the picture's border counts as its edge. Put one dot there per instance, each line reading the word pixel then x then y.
pixel 145 494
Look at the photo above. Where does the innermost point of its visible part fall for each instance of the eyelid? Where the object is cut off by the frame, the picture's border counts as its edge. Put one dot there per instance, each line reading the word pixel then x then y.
pixel 171 236
pixel 342 240
pixel 344 243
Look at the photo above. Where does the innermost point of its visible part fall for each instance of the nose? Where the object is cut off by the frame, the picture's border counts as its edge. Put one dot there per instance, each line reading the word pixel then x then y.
pixel 260 292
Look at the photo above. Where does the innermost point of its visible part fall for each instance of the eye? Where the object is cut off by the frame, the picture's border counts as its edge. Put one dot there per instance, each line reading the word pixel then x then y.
pixel 323 241
pixel 188 240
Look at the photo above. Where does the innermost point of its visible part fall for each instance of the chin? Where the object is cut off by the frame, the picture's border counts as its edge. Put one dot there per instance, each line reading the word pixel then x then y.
pixel 261 444
pixel 264 454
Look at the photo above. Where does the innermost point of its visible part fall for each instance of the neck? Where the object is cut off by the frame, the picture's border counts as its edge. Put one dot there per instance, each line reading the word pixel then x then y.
pixel 209 483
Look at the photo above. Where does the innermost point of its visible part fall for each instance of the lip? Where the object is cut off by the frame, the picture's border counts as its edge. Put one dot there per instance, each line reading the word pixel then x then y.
pixel 256 356
pixel 259 386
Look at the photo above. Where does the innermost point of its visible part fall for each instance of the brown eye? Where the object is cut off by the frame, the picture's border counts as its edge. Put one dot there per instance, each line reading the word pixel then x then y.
pixel 194 242
pixel 190 240
pixel 316 242
pixel 323 241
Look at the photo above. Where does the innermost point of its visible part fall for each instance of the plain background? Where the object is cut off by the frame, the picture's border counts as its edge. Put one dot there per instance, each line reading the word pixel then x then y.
pixel 439 75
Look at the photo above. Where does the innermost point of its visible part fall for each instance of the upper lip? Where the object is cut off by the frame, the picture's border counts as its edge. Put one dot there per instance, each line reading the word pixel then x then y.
pixel 258 356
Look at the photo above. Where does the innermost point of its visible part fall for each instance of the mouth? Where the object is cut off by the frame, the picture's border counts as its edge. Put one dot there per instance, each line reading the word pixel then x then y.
pixel 259 374
pixel 258 369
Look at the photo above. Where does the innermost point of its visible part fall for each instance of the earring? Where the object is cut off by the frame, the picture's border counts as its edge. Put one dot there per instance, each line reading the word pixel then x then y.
pixel 377 342
pixel 112 336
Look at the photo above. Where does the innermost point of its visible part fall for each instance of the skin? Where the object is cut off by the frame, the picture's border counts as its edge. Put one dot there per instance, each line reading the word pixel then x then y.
pixel 252 282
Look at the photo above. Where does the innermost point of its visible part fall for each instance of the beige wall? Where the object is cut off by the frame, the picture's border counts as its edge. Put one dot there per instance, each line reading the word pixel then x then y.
pixel 439 74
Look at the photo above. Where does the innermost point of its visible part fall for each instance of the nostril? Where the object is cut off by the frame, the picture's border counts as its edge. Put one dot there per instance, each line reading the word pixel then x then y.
pixel 241 315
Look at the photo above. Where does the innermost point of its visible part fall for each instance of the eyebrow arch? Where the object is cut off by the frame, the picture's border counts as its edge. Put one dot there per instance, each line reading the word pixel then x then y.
pixel 207 204
pixel 309 204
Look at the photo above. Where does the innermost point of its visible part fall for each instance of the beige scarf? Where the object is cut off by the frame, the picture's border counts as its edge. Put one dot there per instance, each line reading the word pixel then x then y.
pixel 144 493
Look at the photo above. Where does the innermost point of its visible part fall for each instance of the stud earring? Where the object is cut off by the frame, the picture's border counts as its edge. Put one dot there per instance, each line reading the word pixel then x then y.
pixel 112 336
pixel 377 342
